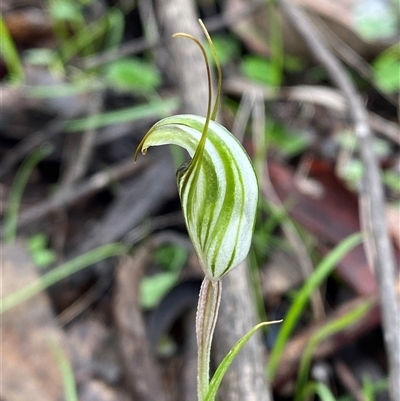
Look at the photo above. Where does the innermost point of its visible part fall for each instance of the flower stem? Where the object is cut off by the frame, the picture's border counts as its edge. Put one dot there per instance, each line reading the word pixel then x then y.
pixel 207 312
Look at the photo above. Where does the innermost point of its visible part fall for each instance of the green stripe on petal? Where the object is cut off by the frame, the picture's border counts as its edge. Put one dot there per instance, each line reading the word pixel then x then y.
pixel 218 190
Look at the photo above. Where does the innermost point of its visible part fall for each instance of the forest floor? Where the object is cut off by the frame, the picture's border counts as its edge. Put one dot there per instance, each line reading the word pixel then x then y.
pixel 99 278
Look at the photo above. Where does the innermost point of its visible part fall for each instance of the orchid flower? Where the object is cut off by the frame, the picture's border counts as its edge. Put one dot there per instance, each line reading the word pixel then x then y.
pixel 218 192
pixel 218 187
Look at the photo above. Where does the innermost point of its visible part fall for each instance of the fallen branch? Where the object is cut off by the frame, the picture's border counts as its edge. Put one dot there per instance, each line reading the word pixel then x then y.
pixel 319 95
pixel 72 194
pixel 371 197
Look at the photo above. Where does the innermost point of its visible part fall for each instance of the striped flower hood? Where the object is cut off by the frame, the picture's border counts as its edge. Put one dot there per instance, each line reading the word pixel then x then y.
pixel 217 186
pixel 218 189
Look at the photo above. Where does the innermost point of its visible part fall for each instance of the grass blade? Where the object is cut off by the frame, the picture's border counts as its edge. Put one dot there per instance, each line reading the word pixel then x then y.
pixel 226 362
pixel 60 273
pixel 324 332
pixel 18 186
pixel 319 275
pixel 10 54
pixel 321 390
pixel 70 392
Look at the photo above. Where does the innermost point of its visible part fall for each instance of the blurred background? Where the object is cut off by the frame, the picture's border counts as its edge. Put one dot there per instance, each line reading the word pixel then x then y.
pixel 99 279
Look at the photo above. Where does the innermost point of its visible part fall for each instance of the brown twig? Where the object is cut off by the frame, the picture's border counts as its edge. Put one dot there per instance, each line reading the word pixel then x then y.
pixel 350 56
pixel 154 224
pixel 127 49
pixel 321 95
pixel 293 352
pixel 375 209
pixel 140 368
pixel 82 152
pixel 72 194
pixel 230 18
pixel 252 100
pixel 27 145
pixel 348 380
pixel 296 243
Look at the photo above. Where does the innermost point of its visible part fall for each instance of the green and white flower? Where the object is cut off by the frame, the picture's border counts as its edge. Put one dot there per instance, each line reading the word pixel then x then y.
pixel 218 189
pixel 219 193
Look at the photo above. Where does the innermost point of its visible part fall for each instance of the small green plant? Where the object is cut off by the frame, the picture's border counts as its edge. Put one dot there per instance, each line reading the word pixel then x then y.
pixel 134 74
pixel 77 36
pixel 37 245
pixel 386 69
pixel 171 259
pixel 261 70
pixel 219 192
pixel 80 40
pixel 371 388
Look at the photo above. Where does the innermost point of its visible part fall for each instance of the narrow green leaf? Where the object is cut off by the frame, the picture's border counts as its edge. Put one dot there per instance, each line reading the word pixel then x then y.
pixel 116 27
pixel 321 273
pixel 226 362
pixel 9 53
pixel 326 331
pixel 60 273
pixel 70 391
pixel 18 186
pixel 321 390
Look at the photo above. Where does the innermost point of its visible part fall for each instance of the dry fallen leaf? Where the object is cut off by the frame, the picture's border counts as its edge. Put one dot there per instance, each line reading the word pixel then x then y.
pixel 330 218
pixel 29 331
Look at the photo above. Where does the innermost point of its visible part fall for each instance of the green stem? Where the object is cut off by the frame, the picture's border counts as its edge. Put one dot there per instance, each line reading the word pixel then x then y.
pixel 18 186
pixel 207 312
pixel 9 54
